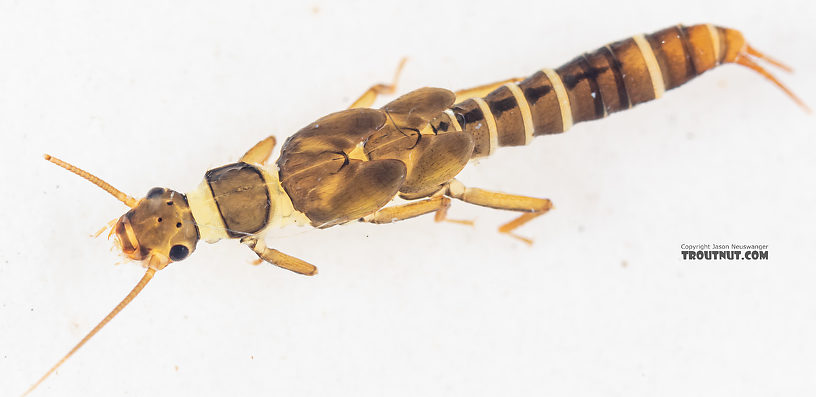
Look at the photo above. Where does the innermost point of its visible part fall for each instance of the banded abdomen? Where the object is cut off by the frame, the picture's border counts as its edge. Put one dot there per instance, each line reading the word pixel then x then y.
pixel 612 78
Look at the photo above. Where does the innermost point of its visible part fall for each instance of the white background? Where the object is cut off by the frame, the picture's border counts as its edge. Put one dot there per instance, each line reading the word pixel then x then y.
pixel 152 94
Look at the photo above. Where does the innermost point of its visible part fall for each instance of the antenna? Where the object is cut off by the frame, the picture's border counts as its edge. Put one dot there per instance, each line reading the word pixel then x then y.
pixel 129 201
pixel 135 291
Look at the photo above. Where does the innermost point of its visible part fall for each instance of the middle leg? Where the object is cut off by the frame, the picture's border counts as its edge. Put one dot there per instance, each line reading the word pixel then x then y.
pixel 438 204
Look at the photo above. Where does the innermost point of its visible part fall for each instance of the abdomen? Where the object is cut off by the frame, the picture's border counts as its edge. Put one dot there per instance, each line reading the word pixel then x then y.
pixel 612 78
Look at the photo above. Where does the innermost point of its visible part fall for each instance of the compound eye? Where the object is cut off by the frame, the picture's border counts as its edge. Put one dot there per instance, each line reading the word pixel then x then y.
pixel 155 192
pixel 179 252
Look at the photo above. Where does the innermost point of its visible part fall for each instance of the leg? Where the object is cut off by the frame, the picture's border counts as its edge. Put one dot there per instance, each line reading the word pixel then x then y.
pixel 533 206
pixel 260 153
pixel 483 90
pixel 278 258
pixel 368 97
pixel 438 204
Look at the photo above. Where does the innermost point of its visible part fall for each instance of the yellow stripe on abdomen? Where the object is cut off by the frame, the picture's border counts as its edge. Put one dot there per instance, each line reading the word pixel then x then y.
pixel 651 64
pixel 524 107
pixel 563 98
pixel 491 125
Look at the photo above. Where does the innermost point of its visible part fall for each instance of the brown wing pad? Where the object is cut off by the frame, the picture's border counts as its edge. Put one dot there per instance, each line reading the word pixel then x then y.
pixel 436 159
pixel 335 132
pixel 416 108
pixel 408 115
pixel 327 185
pixel 358 189
pixel 431 159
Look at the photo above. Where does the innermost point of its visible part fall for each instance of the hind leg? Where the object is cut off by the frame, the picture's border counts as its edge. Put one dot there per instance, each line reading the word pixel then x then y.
pixel 532 207
pixel 483 90
pixel 368 97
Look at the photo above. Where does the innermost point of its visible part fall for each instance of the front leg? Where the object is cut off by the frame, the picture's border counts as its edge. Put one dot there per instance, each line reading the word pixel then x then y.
pixel 260 153
pixel 278 258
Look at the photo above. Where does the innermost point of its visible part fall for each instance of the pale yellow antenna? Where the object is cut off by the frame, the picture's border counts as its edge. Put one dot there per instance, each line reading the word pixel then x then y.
pixel 135 291
pixel 129 201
